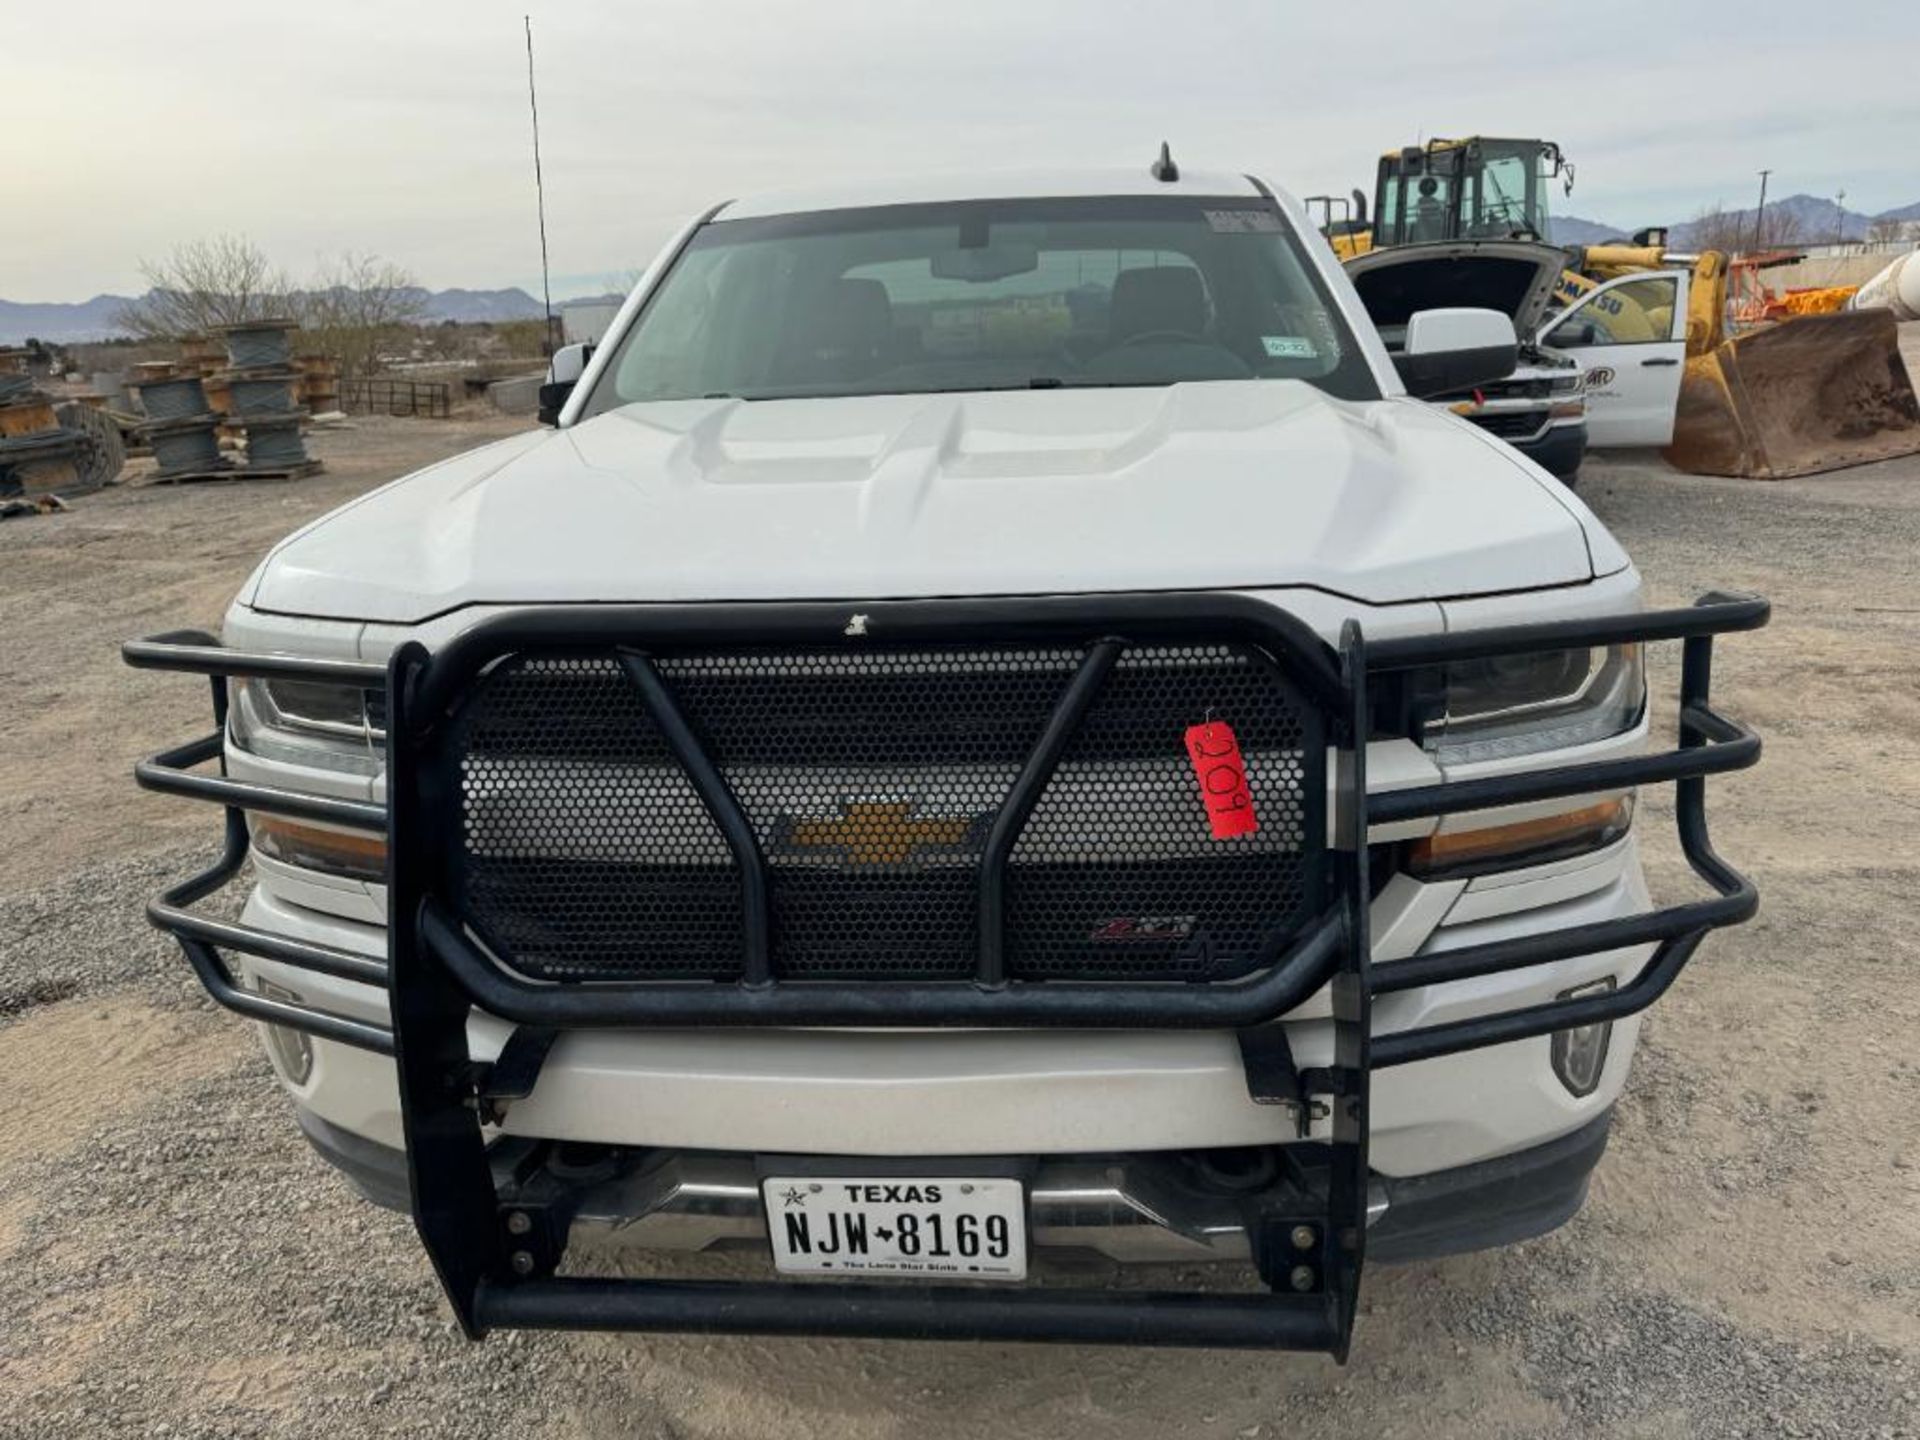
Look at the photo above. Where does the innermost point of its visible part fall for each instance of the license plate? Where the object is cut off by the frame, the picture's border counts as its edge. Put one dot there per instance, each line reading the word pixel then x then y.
pixel 933 1228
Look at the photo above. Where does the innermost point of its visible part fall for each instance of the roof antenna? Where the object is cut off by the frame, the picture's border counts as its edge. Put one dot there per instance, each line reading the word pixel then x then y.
pixel 1163 169
pixel 540 191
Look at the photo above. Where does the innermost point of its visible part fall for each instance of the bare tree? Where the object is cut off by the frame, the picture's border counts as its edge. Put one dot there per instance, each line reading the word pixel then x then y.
pixel 1888 229
pixel 623 282
pixel 1780 228
pixel 1733 231
pixel 357 306
pixel 520 338
pixel 1717 228
pixel 203 284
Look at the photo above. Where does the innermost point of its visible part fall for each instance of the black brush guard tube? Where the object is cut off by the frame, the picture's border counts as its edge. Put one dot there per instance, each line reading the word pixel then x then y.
pixel 440 970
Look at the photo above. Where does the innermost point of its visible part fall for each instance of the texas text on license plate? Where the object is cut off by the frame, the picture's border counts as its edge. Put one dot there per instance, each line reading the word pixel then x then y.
pixel 935 1228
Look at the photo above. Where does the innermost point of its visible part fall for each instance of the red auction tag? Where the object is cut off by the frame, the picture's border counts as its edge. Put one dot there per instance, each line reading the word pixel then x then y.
pixel 1223 779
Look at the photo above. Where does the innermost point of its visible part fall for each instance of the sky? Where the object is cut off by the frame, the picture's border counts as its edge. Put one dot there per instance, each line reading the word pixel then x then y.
pixel 401 128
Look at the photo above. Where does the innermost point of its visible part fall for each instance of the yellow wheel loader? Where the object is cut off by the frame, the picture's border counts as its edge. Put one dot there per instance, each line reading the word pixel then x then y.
pixel 1797 396
pixel 1803 394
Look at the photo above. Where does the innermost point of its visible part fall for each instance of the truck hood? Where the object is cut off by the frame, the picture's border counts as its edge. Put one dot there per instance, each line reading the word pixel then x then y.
pixel 1514 276
pixel 1222 485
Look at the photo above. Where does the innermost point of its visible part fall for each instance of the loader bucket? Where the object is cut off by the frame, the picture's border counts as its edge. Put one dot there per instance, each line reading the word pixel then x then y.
pixel 1819 392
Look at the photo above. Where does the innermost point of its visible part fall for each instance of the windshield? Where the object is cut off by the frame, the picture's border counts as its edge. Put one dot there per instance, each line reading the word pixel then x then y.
pixel 988 295
pixel 1507 195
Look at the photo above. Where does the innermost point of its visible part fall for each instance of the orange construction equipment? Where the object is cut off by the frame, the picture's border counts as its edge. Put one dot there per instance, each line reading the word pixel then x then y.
pixel 1751 301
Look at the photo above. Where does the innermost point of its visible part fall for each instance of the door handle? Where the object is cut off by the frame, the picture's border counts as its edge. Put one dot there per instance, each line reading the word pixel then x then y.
pixel 1651 363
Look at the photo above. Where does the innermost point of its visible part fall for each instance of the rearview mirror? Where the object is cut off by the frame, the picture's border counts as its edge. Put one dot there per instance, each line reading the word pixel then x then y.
pixel 1456 349
pixel 564 370
pixel 977 264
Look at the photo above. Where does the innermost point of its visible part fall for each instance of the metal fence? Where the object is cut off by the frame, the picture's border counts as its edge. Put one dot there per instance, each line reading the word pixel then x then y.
pixel 427 398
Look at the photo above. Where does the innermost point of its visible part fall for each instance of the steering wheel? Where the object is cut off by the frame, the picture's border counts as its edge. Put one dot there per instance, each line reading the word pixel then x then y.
pixel 1146 336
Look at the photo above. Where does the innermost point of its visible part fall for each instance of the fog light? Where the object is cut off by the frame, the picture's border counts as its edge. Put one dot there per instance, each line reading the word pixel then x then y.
pixel 290 1050
pixel 1580 1055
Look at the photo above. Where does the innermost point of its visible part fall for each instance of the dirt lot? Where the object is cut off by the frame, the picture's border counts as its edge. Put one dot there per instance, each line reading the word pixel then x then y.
pixel 174 1261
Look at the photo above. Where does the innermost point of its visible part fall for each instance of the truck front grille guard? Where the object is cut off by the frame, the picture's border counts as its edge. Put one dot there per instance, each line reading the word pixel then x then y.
pixel 498 1274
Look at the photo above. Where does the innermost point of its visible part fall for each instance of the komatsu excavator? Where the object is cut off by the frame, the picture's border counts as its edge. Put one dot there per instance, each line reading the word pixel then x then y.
pixel 1801 395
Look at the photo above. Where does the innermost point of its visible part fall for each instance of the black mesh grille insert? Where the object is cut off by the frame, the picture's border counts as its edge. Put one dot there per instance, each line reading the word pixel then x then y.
pixel 871 779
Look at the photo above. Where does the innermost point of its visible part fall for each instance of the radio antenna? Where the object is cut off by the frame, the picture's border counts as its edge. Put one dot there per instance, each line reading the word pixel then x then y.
pixel 540 196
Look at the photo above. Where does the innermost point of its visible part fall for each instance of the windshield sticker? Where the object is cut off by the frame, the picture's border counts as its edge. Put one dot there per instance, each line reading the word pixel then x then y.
pixel 1288 347
pixel 1243 222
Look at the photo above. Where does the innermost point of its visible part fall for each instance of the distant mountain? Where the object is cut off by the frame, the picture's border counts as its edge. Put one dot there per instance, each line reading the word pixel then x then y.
pixel 72 323
pixel 1810 220
pixel 1572 230
pixel 1905 212
pixel 1804 220
pixel 86 320
pixel 512 303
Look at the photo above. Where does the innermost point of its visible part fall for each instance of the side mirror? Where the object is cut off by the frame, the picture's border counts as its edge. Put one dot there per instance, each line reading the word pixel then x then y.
pixel 1456 349
pixel 569 363
pixel 1573 332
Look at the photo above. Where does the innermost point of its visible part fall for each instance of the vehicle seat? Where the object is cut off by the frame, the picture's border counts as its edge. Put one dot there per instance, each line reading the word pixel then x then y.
pixel 1157 298
pixel 846 332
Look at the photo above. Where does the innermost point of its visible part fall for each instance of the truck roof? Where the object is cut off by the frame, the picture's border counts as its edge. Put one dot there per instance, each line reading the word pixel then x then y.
pixel 1001 185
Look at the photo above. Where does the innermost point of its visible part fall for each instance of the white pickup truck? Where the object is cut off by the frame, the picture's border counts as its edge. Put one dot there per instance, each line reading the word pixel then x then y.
pixel 990 724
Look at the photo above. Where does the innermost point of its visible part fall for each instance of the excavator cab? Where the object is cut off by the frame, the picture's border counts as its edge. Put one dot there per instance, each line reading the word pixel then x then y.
pixel 1475 189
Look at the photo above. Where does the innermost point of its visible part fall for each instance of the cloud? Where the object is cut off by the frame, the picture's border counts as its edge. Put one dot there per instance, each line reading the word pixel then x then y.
pixel 402 128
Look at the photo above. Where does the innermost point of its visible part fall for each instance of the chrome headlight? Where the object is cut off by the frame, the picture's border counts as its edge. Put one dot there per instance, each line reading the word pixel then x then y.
pixel 1512 705
pixel 340 728
pixel 307 722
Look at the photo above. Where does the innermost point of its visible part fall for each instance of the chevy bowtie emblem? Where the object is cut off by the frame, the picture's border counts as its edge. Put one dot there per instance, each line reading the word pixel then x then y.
pixel 879 832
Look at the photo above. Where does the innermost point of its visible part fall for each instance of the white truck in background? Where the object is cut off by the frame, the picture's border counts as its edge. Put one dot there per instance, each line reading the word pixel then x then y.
pixel 1601 372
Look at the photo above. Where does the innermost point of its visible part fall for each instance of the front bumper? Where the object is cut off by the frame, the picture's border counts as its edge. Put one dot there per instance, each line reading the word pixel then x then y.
pixel 984 1092
pixel 497 1240
pixel 1559 449
pixel 1134 1209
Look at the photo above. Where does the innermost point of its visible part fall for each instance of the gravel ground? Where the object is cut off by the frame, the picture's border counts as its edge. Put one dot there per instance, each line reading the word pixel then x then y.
pixel 177 1263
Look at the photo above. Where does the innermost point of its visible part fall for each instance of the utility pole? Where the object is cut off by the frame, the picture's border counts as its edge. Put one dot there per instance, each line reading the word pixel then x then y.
pixel 540 196
pixel 1840 220
pixel 1760 212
